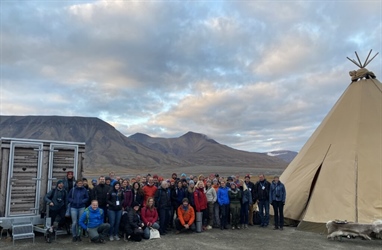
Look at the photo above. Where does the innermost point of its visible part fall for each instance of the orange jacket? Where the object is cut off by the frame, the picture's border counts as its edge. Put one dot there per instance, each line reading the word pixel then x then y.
pixel 186 217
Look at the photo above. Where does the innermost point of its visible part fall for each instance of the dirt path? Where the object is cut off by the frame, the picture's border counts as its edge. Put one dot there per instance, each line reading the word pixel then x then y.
pixel 252 238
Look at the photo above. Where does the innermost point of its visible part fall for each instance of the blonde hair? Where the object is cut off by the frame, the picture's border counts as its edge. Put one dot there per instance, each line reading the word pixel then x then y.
pixel 197 185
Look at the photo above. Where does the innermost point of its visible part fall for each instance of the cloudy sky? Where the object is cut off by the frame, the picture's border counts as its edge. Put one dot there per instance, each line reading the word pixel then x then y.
pixel 254 75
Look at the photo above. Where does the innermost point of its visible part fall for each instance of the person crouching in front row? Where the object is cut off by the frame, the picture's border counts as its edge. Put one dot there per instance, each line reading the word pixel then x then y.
pixel 92 222
pixel 186 217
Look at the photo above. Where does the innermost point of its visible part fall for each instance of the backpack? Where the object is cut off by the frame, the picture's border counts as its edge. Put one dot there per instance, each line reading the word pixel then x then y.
pixel 87 211
pixel 45 204
pixel 256 218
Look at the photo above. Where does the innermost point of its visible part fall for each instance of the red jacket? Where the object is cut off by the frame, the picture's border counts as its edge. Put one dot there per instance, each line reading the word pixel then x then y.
pixel 200 199
pixel 149 191
pixel 149 215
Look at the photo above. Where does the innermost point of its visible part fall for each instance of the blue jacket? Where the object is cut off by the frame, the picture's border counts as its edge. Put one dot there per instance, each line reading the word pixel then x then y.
pixel 223 198
pixel 277 192
pixel 78 197
pixel 91 218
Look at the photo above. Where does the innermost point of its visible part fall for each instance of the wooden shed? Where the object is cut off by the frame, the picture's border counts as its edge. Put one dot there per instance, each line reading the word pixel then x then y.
pixel 28 170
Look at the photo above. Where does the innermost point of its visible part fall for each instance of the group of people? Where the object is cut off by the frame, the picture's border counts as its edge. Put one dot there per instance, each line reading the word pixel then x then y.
pixel 112 207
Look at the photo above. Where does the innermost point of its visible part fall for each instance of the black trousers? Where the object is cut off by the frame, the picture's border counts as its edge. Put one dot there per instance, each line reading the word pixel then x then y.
pixel 278 208
pixel 61 212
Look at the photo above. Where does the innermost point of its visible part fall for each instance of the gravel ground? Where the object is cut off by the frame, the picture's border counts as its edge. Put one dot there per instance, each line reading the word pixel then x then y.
pixel 251 238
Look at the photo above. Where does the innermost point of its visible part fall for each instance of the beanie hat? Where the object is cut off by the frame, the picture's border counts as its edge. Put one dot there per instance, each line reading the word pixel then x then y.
pixel 191 182
pixel 215 180
pixel 135 204
pixel 183 175
pixel 233 183
pixel 107 178
pixel 60 181
pixel 94 181
pixel 84 179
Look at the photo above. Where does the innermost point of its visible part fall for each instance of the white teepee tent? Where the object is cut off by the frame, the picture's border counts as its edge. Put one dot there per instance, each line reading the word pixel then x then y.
pixel 338 172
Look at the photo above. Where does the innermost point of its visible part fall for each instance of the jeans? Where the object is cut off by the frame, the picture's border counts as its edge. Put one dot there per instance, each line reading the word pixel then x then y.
pixel 114 220
pixel 146 232
pixel 224 213
pixel 76 213
pixel 264 212
pixel 100 232
pixel 278 208
pixel 216 214
pixel 244 213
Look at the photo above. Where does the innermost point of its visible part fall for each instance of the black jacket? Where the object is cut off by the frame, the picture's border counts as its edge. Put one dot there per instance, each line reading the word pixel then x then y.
pixel 163 198
pixel 261 193
pixel 100 194
pixel 114 197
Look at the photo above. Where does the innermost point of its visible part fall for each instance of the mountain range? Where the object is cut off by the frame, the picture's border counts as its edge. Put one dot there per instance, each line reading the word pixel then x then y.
pixel 107 148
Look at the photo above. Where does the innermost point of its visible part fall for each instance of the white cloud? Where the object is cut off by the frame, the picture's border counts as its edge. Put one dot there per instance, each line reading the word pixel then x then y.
pixel 256 69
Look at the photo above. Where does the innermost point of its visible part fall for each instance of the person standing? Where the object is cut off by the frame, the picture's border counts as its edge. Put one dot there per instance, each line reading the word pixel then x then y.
pixel 200 200
pixel 251 187
pixel 57 199
pixel 163 203
pixel 234 199
pixel 138 194
pixel 149 190
pixel 78 198
pixel 277 196
pixel 211 199
pixel 262 188
pixel 246 202
pixel 223 200
pixel 114 200
pixel 92 222
pixel 69 181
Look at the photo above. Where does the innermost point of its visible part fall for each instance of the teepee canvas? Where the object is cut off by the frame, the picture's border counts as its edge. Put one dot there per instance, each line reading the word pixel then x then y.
pixel 338 172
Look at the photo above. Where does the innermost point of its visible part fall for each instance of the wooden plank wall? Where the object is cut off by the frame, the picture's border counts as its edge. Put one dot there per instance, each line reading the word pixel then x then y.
pixel 4 157
pixel 25 167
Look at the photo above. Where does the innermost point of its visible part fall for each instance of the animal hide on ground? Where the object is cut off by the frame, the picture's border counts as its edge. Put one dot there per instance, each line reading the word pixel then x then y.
pixel 338 229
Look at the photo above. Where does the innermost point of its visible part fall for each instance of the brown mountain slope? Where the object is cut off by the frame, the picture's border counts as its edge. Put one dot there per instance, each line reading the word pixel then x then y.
pixel 107 148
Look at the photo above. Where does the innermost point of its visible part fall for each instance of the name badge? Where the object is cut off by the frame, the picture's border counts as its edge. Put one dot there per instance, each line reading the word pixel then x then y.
pixel 117 202
pixel 263 188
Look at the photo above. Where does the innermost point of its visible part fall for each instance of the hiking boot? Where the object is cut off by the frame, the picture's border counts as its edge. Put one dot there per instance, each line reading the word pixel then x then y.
pixel 177 232
pixel 245 226
pixel 116 237
pixel 111 238
pixel 238 227
pixel 79 238
pixel 275 228
pixel 74 239
pixel 281 228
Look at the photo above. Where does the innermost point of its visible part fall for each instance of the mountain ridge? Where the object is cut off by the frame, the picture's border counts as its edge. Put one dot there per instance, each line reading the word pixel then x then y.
pixel 107 148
